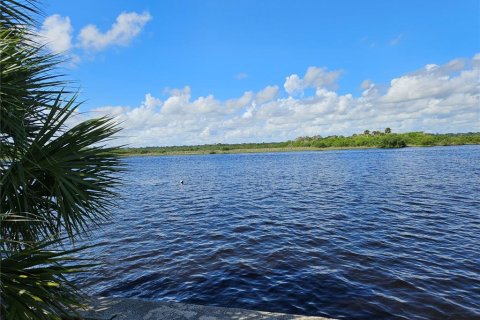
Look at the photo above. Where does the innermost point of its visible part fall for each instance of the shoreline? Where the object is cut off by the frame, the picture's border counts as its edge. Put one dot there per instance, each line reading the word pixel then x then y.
pixel 266 150
pixel 237 151
pixel 139 309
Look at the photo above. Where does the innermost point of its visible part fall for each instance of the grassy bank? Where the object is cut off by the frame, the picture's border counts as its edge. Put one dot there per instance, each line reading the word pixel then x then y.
pixel 366 140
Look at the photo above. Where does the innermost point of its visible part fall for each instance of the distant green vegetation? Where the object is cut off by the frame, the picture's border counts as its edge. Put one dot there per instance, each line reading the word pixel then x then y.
pixel 206 149
pixel 388 140
pixel 367 139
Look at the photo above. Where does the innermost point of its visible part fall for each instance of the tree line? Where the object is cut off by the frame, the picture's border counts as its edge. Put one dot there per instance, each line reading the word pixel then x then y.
pixel 387 139
pixel 370 139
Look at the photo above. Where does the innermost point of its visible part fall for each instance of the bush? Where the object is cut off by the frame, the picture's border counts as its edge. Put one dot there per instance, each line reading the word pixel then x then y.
pixel 392 141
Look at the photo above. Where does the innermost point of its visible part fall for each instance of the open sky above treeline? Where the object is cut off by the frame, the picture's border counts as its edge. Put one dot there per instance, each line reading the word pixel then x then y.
pixel 180 72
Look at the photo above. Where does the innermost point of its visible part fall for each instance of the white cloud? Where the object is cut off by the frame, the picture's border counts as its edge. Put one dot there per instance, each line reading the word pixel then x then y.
pixel 366 84
pixel 266 94
pixel 434 82
pixel 126 27
pixel 237 103
pixel 56 33
pixel 151 101
pixel 436 98
pixel 314 78
pixel 293 84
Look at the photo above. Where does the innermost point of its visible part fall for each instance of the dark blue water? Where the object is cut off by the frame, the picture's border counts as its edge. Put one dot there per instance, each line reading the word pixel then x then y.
pixel 360 234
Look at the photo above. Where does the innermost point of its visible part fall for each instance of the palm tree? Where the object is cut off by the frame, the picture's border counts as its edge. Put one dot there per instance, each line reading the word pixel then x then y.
pixel 55 179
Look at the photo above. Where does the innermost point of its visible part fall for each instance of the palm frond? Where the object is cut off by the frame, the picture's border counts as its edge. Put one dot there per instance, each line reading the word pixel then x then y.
pixel 66 176
pixel 29 86
pixel 55 179
pixel 33 283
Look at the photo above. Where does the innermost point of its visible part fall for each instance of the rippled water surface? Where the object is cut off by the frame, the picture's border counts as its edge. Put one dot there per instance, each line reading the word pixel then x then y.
pixel 359 234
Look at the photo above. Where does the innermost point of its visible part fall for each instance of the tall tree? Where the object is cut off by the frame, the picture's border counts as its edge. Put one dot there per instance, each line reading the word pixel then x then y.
pixel 54 178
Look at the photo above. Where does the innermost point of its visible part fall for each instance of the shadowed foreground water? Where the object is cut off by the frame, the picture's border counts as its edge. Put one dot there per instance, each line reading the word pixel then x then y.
pixel 359 234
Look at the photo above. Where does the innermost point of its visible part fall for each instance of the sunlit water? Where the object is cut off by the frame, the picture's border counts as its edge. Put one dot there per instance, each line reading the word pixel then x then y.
pixel 358 234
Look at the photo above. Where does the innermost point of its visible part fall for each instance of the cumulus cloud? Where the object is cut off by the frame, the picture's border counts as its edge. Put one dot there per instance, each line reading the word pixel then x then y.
pixel 56 33
pixel 151 101
pixel 266 94
pixel 434 82
pixel 435 98
pixel 314 78
pixel 366 84
pixel 126 27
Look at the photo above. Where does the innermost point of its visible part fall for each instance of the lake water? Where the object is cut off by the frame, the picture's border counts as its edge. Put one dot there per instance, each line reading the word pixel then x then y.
pixel 356 234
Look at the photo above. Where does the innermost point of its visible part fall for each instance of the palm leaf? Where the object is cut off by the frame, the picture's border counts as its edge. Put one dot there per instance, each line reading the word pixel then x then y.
pixel 67 178
pixel 55 179
pixel 33 283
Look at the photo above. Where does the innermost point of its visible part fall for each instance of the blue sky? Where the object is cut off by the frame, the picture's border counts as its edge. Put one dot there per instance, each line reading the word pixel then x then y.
pixel 229 48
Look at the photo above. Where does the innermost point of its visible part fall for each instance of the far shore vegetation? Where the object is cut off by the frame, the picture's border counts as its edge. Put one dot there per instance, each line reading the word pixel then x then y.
pixel 367 139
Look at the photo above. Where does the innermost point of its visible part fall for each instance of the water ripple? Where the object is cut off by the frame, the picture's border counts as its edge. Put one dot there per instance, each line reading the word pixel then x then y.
pixel 361 234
